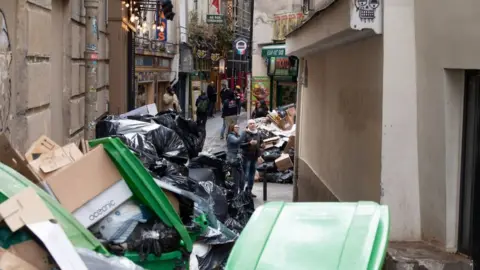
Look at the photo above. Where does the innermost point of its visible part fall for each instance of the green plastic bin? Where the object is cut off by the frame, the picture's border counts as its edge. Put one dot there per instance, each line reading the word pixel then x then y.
pixel 313 236
pixel 149 193
pixel 11 183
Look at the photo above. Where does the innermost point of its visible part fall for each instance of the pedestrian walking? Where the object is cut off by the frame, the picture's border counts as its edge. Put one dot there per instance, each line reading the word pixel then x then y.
pixel 225 93
pixel 202 103
pixel 229 114
pixel 212 97
pixel 238 98
pixel 170 101
pixel 234 157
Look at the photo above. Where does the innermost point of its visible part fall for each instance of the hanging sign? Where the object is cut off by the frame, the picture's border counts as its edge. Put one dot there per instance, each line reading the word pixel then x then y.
pixel 215 57
pixel 240 46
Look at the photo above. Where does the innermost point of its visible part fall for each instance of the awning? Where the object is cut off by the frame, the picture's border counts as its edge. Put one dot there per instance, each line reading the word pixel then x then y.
pixel 273 50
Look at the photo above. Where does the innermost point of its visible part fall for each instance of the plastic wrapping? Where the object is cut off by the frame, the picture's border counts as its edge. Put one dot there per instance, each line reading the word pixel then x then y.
pixel 145 138
pixel 97 261
pixel 154 239
pixel 271 154
pixel 187 129
pixel 217 232
pixel 216 258
pixel 220 167
pixel 117 226
pixel 267 167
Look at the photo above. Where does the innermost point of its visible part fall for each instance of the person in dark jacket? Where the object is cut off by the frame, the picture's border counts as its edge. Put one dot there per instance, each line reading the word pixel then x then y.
pixel 261 109
pixel 251 153
pixel 234 157
pixel 226 93
pixel 201 104
pixel 238 98
pixel 212 97
pixel 229 114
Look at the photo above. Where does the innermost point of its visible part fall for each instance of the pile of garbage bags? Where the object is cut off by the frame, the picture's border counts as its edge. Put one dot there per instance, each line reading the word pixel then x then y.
pixel 169 146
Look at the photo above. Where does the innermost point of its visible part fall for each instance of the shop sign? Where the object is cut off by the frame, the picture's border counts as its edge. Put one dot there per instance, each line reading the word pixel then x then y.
pixel 260 89
pixel 146 76
pixel 273 52
pixel 162 32
pixel 240 46
pixel 282 66
pixel 215 19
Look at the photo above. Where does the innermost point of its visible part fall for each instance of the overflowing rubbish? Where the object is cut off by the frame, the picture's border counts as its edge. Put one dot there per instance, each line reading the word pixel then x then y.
pixel 278 131
pixel 140 196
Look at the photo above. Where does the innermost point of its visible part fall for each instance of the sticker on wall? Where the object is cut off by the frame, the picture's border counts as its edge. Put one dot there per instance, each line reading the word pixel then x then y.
pixel 91 47
pixel 5 80
pixel 366 14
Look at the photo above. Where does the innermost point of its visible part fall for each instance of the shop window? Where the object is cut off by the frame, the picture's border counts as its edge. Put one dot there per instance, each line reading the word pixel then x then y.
pixel 141 97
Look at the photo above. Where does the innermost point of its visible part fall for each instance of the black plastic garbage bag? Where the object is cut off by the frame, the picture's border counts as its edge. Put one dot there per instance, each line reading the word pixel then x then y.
pixel 216 258
pixel 219 166
pixel 164 167
pixel 187 129
pixel 286 177
pixel 142 146
pixel 271 154
pixel 241 207
pixel 272 177
pixel 112 125
pixel 154 239
pixel 164 140
pixel 267 167
pixel 217 232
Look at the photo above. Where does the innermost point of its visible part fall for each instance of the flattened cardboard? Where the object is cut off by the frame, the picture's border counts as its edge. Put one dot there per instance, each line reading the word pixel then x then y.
pixel 87 177
pixel 13 159
pixel 41 146
pixel 27 209
pixel 24 208
pixel 34 254
pixel 271 140
pixel 9 261
pixel 290 144
pixel 56 159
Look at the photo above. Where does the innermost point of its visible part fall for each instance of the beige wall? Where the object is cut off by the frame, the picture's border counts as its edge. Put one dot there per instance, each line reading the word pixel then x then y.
pixel 448 41
pixel 341 115
pixel 47 69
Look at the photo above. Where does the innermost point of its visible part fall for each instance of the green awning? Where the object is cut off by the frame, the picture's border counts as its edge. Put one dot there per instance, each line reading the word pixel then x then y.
pixel 273 50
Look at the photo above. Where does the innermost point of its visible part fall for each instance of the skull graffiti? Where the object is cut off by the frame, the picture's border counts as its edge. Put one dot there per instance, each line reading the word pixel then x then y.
pixel 366 9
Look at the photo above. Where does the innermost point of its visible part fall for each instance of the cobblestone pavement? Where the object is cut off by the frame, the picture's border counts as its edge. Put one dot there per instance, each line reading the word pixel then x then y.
pixel 213 143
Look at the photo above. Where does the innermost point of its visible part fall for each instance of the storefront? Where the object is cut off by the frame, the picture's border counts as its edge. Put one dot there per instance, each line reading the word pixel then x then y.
pixel 281 87
pixel 152 75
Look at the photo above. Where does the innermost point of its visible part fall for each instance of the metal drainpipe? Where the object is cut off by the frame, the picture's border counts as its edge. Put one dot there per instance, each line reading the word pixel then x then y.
pixel 91 64
pixel 297 130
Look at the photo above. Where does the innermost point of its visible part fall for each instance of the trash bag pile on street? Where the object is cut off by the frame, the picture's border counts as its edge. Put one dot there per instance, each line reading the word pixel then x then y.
pixel 276 163
pixel 169 147
pixel 142 195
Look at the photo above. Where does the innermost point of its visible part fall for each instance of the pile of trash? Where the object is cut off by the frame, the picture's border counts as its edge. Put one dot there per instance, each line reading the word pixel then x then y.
pixel 142 195
pixel 278 131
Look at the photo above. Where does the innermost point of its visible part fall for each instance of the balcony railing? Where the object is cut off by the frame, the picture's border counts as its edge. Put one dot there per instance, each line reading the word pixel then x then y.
pixel 154 46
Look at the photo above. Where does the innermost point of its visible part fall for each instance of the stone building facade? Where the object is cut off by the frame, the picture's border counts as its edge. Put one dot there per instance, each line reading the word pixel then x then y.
pixel 42 76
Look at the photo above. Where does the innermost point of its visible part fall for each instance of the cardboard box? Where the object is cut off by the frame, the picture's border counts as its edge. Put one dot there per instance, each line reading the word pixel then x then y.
pixel 41 146
pixel 13 159
pixel 290 144
pixel 34 254
pixel 103 204
pixel 9 261
pixel 283 163
pixel 87 177
pixel 26 209
pixel 49 162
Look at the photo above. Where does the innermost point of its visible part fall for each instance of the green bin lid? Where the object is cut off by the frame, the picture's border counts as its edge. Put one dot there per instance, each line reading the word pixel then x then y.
pixel 316 236
pixel 143 186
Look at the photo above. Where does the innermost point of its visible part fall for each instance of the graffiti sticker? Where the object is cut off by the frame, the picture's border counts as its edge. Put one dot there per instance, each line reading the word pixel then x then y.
pixel 91 47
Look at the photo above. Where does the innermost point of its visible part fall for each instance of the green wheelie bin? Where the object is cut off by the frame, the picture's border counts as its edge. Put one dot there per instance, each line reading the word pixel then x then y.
pixel 313 236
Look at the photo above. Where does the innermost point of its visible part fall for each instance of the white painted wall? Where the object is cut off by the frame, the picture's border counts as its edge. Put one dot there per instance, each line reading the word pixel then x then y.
pixel 400 179
pixel 263 27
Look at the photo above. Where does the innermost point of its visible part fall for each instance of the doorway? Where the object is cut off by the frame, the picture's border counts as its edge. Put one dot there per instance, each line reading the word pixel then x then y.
pixel 468 237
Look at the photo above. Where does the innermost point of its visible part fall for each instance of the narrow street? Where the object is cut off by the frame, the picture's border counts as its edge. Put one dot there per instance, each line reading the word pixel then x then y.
pixel 275 192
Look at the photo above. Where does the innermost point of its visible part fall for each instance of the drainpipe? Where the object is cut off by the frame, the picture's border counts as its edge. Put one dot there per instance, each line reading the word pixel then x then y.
pixel 176 59
pixel 91 58
pixel 300 81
